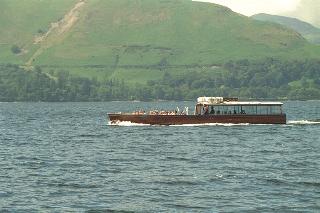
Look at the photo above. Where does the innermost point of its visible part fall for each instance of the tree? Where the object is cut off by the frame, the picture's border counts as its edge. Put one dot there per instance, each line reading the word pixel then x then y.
pixel 15 49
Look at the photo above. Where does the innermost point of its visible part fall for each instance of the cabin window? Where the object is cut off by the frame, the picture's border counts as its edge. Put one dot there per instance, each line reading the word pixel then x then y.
pixel 249 109
pixel 269 110
pixel 219 110
pixel 263 110
pixel 237 110
pixel 243 109
pixel 276 109
pixel 260 109
pixel 230 110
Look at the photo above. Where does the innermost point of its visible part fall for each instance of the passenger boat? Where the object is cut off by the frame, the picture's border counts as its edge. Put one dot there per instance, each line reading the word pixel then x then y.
pixel 210 110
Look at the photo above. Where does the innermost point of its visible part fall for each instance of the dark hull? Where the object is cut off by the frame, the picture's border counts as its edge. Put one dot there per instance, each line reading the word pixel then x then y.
pixel 197 119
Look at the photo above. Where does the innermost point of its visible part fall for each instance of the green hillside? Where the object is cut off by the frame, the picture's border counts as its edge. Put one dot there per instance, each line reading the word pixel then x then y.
pixel 307 30
pixel 136 40
pixel 22 20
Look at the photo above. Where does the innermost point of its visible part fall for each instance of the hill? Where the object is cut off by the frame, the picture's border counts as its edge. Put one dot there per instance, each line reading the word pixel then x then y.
pixel 307 30
pixel 137 40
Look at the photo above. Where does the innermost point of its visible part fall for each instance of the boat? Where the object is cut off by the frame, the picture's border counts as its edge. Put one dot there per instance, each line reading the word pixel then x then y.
pixel 210 110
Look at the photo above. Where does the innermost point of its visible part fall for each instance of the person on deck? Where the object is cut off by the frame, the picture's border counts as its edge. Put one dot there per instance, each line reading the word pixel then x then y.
pixel 212 110
pixel 205 109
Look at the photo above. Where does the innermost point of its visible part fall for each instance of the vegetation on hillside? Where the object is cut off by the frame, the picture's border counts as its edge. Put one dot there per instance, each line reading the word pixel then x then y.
pixel 21 21
pixel 130 38
pixel 145 50
pixel 144 33
pixel 307 30
pixel 269 78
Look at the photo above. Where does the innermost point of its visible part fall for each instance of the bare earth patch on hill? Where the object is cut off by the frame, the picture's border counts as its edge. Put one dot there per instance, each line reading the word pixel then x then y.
pixel 57 31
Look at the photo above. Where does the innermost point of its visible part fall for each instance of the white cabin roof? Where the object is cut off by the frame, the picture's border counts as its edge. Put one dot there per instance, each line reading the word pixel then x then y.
pixel 221 101
pixel 249 103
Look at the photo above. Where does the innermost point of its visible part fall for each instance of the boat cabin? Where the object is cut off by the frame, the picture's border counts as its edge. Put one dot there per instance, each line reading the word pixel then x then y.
pixel 232 106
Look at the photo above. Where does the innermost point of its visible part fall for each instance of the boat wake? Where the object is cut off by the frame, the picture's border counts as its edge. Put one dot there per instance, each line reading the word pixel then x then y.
pixel 125 123
pixel 297 122
pixel 214 124
pixel 304 122
pixel 128 123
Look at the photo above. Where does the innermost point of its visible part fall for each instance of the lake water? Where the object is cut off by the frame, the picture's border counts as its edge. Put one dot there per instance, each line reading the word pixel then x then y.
pixel 64 157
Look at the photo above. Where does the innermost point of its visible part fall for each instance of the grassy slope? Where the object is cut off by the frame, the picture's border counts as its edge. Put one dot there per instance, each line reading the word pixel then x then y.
pixel 310 32
pixel 20 21
pixel 183 32
pixel 117 34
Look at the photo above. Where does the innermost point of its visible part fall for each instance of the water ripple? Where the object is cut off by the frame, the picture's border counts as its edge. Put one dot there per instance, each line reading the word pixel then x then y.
pixel 64 157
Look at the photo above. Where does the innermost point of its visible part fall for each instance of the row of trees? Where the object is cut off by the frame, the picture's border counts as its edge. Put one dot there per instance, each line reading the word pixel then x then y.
pixel 265 79
pixel 269 78
pixel 17 84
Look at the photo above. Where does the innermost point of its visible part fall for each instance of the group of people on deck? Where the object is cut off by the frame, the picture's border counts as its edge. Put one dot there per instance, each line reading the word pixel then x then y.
pixel 175 112
pixel 139 112
pixel 218 112
pixel 156 112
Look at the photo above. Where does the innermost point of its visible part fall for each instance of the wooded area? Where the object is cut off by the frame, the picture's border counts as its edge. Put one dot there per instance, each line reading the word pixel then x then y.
pixel 265 79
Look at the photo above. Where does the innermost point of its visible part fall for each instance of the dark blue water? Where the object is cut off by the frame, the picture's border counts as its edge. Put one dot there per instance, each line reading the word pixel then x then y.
pixel 64 157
